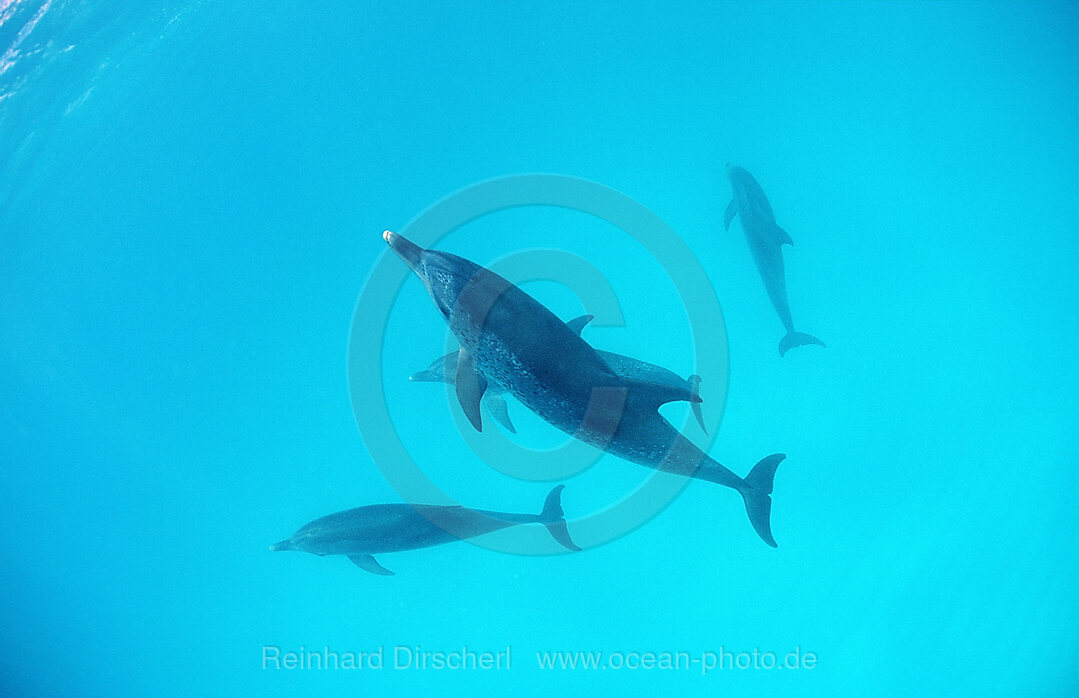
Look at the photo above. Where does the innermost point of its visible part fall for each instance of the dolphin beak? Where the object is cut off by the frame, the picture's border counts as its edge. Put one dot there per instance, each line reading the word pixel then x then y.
pixel 404 248
pixel 282 545
pixel 424 376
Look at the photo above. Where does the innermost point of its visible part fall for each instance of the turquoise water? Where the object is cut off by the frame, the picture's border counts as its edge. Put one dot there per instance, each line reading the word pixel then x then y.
pixel 192 197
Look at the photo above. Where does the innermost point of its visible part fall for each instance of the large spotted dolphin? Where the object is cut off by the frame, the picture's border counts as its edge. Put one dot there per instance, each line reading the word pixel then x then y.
pixel 444 370
pixel 766 240
pixel 508 337
pixel 363 532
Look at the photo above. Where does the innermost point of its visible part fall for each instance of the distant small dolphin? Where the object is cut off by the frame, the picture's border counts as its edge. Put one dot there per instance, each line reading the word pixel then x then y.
pixel 390 528
pixel 511 338
pixel 766 240
pixel 444 370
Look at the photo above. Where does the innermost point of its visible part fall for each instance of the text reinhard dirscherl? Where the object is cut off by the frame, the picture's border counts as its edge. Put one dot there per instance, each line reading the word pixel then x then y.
pixel 399 657
pixel 408 657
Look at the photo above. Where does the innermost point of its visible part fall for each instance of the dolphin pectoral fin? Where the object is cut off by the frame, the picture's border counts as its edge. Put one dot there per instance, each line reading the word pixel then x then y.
pixel 780 237
pixel 368 563
pixel 694 382
pixel 577 324
pixel 732 211
pixel 470 385
pixel 496 405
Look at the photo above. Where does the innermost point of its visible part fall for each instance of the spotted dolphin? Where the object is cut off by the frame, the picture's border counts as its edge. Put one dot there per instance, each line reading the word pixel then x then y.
pixel 444 370
pixel 508 337
pixel 361 533
pixel 766 240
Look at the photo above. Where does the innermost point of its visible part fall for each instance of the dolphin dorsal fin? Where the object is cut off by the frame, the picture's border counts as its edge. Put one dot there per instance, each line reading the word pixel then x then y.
pixel 577 324
pixel 653 395
pixel 780 237
pixel 694 384
pixel 470 384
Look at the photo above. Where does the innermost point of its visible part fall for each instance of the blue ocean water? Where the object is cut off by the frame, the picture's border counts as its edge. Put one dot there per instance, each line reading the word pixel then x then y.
pixel 192 197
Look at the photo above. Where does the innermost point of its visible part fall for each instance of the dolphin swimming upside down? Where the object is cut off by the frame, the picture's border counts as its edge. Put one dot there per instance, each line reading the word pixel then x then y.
pixel 510 339
pixel 389 528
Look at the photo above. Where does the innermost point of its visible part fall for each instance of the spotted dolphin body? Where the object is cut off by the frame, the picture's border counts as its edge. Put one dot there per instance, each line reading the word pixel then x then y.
pixel 361 533
pixel 509 338
pixel 766 240
pixel 444 370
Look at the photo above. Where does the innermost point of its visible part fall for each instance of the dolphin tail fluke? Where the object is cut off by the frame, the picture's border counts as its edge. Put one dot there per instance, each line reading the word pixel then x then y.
pixel 756 495
pixel 695 390
pixel 554 519
pixel 763 473
pixel 797 339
